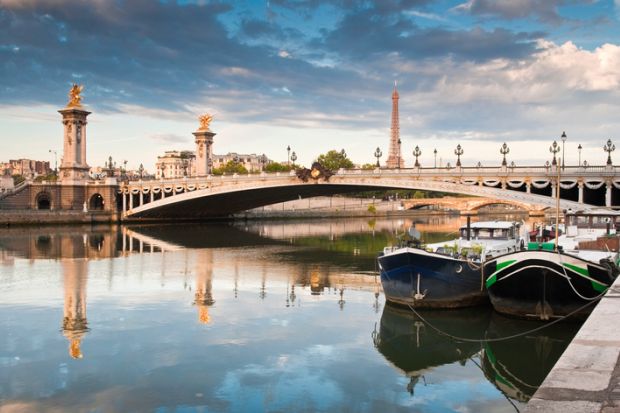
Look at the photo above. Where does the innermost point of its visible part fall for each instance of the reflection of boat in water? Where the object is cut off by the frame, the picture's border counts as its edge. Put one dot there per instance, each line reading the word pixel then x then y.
pixel 414 347
pixel 518 366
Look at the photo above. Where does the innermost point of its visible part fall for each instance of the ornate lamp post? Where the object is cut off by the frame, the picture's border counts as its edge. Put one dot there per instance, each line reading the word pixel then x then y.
pixel 609 148
pixel 504 150
pixel 55 161
pixel 288 155
pixel 579 150
pixel 124 171
pixel 378 154
pixel 263 161
pixel 417 152
pixel 554 148
pixel 563 137
pixel 141 171
pixel 435 152
pixel 399 143
pixel 458 152
pixel 294 158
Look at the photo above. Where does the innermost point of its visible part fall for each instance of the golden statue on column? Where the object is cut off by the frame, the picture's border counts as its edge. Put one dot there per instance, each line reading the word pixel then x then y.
pixel 205 121
pixel 75 98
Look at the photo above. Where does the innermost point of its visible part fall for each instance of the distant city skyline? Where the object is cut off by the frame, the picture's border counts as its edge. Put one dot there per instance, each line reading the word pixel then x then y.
pixel 314 76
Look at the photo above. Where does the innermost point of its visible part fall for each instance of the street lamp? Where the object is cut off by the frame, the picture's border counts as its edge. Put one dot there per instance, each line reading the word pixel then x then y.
pixel 554 148
pixel 294 158
pixel 458 152
pixel 263 161
pixel 504 150
pixel 399 143
pixel 141 170
pixel 288 154
pixel 55 161
pixel 579 150
pixel 609 148
pixel 417 152
pixel 563 137
pixel 435 152
pixel 378 155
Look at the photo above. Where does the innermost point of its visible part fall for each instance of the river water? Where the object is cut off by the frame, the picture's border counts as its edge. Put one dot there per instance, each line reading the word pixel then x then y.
pixel 245 317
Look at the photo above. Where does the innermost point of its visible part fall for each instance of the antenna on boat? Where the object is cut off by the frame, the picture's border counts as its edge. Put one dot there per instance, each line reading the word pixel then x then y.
pixel 557 206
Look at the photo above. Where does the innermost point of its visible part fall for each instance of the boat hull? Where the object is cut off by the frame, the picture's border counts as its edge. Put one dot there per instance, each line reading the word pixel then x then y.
pixel 545 284
pixel 421 279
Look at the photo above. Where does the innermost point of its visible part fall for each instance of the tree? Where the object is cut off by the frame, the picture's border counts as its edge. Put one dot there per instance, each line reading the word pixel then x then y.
pixel 369 166
pixel 334 160
pixel 277 167
pixel 231 167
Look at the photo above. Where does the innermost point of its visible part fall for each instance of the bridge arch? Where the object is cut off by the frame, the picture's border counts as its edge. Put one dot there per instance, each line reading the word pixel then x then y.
pixel 96 203
pixel 43 200
pixel 222 196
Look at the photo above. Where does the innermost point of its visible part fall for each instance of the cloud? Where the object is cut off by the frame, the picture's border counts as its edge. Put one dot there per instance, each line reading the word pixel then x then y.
pixel 168 138
pixel 367 35
pixel 543 10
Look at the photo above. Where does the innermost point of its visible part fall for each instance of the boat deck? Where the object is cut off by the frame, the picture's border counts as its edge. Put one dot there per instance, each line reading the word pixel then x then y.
pixel 587 376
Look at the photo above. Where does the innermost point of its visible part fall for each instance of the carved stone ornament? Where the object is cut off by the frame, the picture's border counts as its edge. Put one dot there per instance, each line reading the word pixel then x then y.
pixel 317 172
pixel 200 149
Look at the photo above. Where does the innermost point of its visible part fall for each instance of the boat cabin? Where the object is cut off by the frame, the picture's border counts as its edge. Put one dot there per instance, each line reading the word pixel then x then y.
pixel 603 220
pixel 490 230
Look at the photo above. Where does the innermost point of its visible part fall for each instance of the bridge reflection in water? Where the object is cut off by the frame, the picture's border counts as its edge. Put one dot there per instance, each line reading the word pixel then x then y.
pixel 176 301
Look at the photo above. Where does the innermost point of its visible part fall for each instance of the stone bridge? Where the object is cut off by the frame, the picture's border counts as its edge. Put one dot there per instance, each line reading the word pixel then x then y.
pixel 216 196
pixel 470 205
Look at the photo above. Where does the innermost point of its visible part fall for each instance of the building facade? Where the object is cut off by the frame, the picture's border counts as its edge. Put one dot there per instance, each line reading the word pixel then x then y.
pixel 28 168
pixel 175 164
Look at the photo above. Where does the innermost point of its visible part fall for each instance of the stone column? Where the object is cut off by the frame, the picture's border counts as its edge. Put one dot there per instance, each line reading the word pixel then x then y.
pixel 608 187
pixel 204 147
pixel 528 188
pixel 553 189
pixel 74 168
pixel 580 186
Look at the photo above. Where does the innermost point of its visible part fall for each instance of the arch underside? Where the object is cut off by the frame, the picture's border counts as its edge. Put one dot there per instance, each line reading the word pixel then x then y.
pixel 223 201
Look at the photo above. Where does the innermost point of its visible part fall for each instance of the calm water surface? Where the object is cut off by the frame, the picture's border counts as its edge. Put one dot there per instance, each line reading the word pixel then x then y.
pixel 252 317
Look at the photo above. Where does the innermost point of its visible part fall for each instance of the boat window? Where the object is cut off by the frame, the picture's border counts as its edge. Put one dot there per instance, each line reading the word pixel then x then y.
pixel 500 233
pixel 484 233
pixel 582 220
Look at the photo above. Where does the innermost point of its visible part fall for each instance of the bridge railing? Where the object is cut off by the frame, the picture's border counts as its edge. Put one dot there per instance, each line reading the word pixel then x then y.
pixel 468 171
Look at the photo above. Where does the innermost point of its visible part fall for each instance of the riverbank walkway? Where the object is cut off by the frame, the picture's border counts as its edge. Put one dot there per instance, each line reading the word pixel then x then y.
pixel 586 378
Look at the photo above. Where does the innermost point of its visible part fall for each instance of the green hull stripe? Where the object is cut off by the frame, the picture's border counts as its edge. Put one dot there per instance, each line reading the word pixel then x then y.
pixel 504 264
pixel 491 280
pixel 498 267
pixel 597 286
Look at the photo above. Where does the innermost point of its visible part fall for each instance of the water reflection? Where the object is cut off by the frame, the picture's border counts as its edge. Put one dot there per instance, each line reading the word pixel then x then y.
pixel 74 324
pixel 515 366
pixel 518 374
pixel 416 348
pixel 283 308
pixel 204 285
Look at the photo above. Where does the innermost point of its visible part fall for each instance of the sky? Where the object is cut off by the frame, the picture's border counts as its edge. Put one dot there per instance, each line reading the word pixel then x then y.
pixel 314 75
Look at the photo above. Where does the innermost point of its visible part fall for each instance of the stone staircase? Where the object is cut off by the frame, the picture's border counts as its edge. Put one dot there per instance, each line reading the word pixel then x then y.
pixel 17 198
